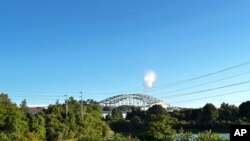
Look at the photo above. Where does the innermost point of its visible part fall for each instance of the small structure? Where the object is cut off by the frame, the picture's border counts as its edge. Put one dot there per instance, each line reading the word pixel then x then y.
pixel 105 113
pixel 35 110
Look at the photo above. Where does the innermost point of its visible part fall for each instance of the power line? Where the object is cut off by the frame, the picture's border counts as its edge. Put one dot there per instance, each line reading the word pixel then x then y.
pixel 190 100
pixel 185 80
pixel 232 102
pixel 203 84
pixel 191 93
pixel 156 87
pixel 199 77
pixel 238 101
pixel 39 92
pixel 206 90
pixel 34 96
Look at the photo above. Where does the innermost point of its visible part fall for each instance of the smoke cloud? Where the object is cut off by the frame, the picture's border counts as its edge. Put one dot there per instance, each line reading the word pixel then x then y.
pixel 149 78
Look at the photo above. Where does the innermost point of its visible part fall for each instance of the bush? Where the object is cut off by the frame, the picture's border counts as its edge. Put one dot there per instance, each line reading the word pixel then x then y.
pixel 185 136
pixel 209 136
pixel 203 136
pixel 90 138
pixel 159 129
pixel 4 137
pixel 119 137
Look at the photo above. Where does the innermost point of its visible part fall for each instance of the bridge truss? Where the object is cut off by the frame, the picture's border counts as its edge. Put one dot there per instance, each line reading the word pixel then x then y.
pixel 139 100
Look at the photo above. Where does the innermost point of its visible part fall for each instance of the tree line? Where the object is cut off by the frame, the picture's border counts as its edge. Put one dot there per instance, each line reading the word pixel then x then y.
pixel 83 122
pixel 156 122
pixel 52 124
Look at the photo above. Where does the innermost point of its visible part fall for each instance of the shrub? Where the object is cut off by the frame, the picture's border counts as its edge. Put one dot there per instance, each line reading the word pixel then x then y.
pixel 209 136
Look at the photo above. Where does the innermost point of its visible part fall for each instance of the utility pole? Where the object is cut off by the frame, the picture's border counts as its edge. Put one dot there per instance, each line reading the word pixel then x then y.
pixel 66 106
pixel 81 105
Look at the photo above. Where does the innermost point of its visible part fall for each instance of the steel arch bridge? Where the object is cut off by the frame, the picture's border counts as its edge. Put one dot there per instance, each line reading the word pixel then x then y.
pixel 139 100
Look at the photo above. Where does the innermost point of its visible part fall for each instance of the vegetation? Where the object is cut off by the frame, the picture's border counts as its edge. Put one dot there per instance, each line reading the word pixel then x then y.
pixel 51 124
pixel 159 129
pixel 116 114
pixel 203 136
pixel 244 110
pixel 83 122
pixel 151 124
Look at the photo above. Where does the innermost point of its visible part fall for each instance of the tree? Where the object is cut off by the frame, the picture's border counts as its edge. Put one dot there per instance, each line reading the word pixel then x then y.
pixel 37 126
pixel 116 114
pixel 209 114
pixel 202 136
pixel 51 124
pixel 136 120
pixel 136 111
pixel 159 129
pixel 209 136
pixel 4 137
pixel 187 114
pixel 77 125
pixel 137 126
pixel 156 110
pixel 245 109
pixel 12 121
pixel 106 108
pixel 228 112
pixel 55 129
pixel 57 102
pixel 24 107
pixel 108 117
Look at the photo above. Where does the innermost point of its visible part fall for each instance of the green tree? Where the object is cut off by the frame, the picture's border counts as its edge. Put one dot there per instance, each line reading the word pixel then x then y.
pixel 228 112
pixel 245 110
pixel 13 125
pixel 137 126
pixel 209 136
pixel 202 136
pixel 108 117
pixel 77 125
pixel 119 137
pixel 185 136
pixel 106 108
pixel 55 129
pixel 4 137
pixel 37 126
pixel 116 114
pixel 209 114
pixel 24 107
pixel 159 129
pixel 156 110
pixel 136 111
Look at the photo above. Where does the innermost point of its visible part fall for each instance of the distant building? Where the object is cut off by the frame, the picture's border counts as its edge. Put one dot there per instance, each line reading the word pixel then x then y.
pixel 105 113
pixel 35 110
pixel 171 109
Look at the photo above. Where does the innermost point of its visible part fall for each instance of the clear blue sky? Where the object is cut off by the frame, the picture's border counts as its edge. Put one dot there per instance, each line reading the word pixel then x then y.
pixel 50 48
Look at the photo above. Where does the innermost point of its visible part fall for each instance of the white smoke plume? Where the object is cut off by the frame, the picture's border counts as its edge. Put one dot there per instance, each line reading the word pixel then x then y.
pixel 149 78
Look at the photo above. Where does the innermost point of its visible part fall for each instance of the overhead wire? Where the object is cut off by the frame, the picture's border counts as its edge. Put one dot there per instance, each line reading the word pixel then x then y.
pixel 152 89
pixel 218 95
pixel 206 90
pixel 161 86
pixel 202 84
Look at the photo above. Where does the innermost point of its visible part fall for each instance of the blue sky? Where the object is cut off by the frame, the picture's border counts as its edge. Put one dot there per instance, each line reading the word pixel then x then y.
pixel 52 48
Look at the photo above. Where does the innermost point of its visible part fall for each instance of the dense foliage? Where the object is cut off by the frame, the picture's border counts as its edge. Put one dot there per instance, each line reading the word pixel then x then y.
pixel 13 124
pixel 211 118
pixel 51 124
pixel 139 123
pixel 82 122
pixel 202 136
